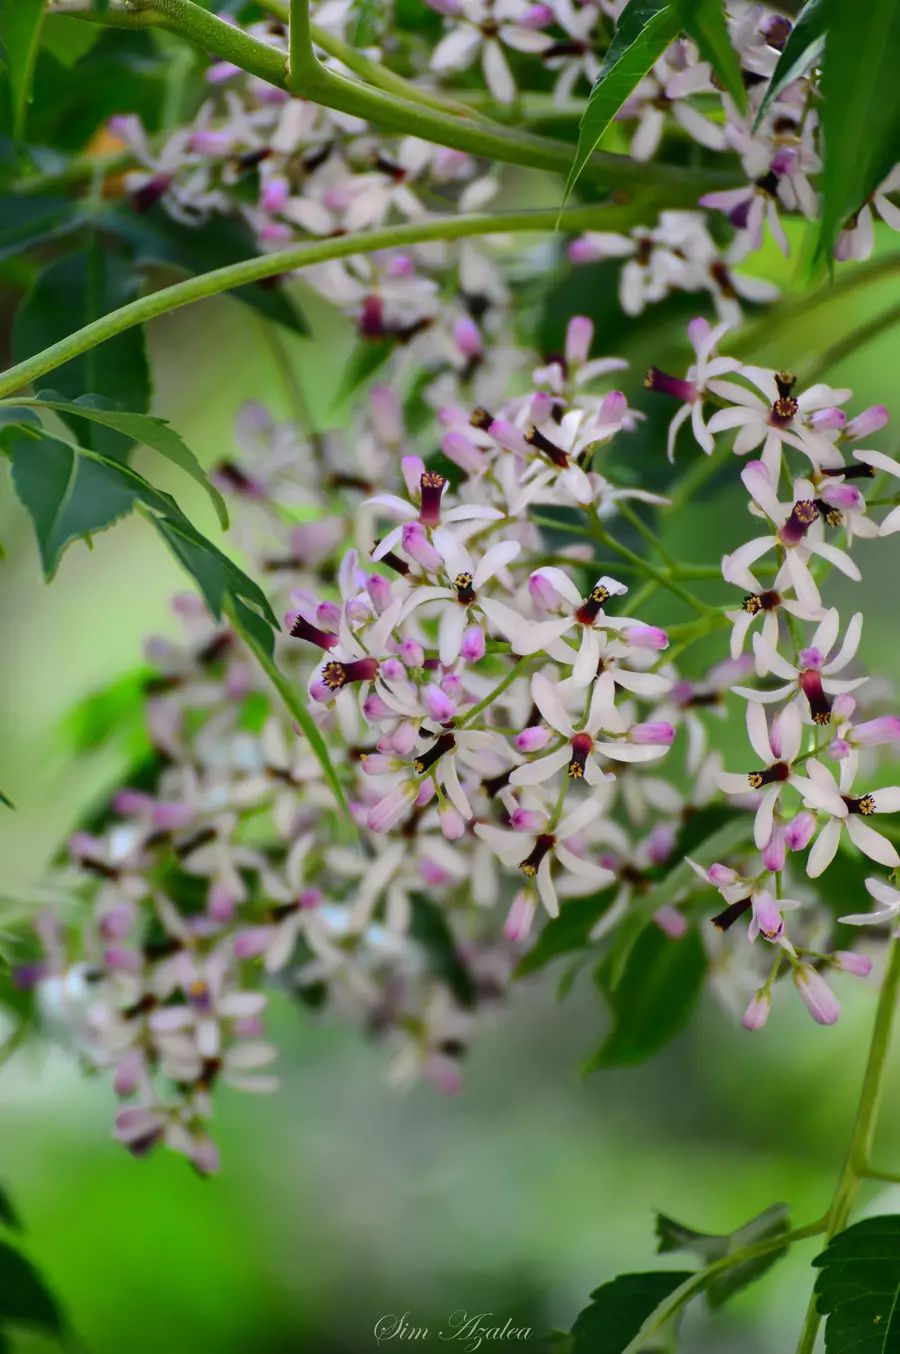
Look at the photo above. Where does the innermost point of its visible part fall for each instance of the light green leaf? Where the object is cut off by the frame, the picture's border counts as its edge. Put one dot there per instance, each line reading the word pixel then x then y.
pixel 145 428
pixel 644 31
pixel 804 47
pixel 259 640
pixel 860 109
pixel 653 999
pixel 858 1289
pixel 618 1310
pixel 704 21
pixel 20 36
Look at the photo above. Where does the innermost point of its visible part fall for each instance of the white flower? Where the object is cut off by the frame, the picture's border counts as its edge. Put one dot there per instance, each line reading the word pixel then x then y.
pixel 888 897
pixel 845 810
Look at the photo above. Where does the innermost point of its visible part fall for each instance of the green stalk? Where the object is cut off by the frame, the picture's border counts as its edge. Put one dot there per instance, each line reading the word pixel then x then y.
pixel 310 80
pixel 856 1165
pixel 297 257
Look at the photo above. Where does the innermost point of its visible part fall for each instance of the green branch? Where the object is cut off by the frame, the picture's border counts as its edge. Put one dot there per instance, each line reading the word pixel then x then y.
pixel 303 256
pixel 387 110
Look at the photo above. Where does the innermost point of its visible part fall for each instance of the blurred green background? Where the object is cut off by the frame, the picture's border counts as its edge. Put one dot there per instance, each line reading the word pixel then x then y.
pixel 342 1201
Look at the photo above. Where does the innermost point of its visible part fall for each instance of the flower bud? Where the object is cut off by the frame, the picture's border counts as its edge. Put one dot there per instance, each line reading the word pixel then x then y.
pixel 766 916
pixel 462 452
pixel 452 822
pixel 472 646
pixel 646 637
pixel 798 832
pixel 579 336
pixel 872 733
pixel 467 337
pixel 275 194
pixel 519 918
pixel 774 851
pixel 655 733
pixel 757 1013
pixel 384 407
pixel 871 420
pixel 672 922
pixel 848 961
pixel 543 593
pixel 817 996
pixel 533 738
pixel 418 547
pixel 438 704
pixel 722 876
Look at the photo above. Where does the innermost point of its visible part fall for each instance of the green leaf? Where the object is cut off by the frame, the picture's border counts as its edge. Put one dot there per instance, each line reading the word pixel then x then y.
pixel 26 221
pixel 860 109
pixel 259 640
pixel 429 927
pixel 68 40
pixel 567 932
pixel 858 1289
pixel 804 47
pixel 619 1309
pixel 654 998
pixel 143 428
pixel 217 577
pixel 20 35
pixel 708 1246
pixel 114 711
pixel 6 802
pixel 65 494
pixel 73 291
pixel 704 21
pixel 23 1295
pixel 8 1215
pixel 644 31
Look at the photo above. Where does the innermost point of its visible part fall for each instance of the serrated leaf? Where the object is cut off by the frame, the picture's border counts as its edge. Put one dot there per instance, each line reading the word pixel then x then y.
pixel 20 35
pixel 654 998
pixel 217 577
pixel 858 1289
pixel 142 428
pixel 619 1309
pixel 805 45
pixel 259 639
pixel 644 31
pixel 709 1246
pixel 860 110
pixel 66 495
pixel 704 21
pixel 24 1297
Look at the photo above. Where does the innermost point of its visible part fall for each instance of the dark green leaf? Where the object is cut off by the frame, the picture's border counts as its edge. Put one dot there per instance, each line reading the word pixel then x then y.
pixel 619 1309
pixel 217 577
pixel 156 238
pixel 704 21
pixel 67 294
pixel 429 927
pixel 804 46
pixel 654 998
pixel 23 1295
pixel 569 931
pixel 644 31
pixel 708 1246
pixel 367 358
pixel 144 428
pixel 25 221
pixel 858 1289
pixel 259 639
pixel 115 711
pixel 65 494
pixel 8 1215
pixel 860 107
pixel 7 803
pixel 68 39
pixel 20 35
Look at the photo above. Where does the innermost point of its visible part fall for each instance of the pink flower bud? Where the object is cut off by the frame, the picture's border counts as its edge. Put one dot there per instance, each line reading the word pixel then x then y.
pixel 584 250
pixel 839 749
pixel 541 407
pixel 444 1073
pixel 646 637
pixel 533 738
pixel 328 615
pixel 613 407
pixel 220 902
pixel 526 820
pixel 757 1013
pixel 121 960
pixel 672 922
pixel 579 336
pixel 884 729
pixel 842 496
pixel 775 850
pixel 467 337
pixel 537 16
pixel 374 708
pixel 393 670
pixel 799 831
pixel 387 417
pixel 767 920
pixel 275 194
pixel 404 738
pixel 452 822
pixel 418 547
pixel 843 705
pixel 438 704
pixel 170 815
pixel 207 142
pixel 412 653
pixel 378 763
pixel 509 436
pixel 519 918
pixel 472 647
pixel 252 942
pixel 848 961
pixel 827 420
pixel 129 1072
pixel 462 452
pixel 543 593
pixel 412 468
pixel 656 733
pixel 869 421
pixel 379 589
pixel 452 685
pixel 722 876
pixel 817 996
pixel 660 844
pixel 388 812
pixel 132 802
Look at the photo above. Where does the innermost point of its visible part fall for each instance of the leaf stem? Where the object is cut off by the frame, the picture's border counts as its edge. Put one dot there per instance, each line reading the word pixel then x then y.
pixel 856 1164
pixel 300 256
